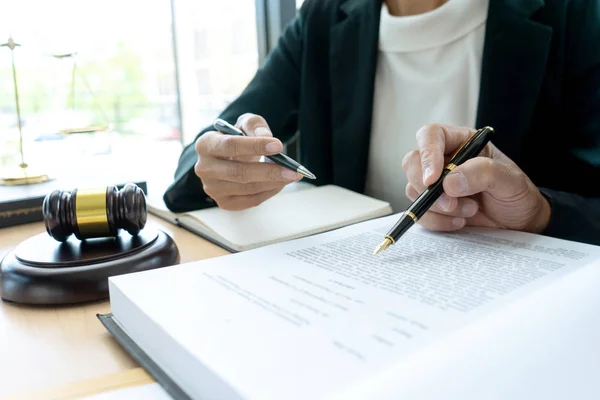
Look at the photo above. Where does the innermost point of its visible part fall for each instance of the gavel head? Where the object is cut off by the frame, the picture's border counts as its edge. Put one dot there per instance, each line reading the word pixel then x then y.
pixel 93 213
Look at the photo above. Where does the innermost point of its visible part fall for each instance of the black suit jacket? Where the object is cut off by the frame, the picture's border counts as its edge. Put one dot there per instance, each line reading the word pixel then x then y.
pixel 540 90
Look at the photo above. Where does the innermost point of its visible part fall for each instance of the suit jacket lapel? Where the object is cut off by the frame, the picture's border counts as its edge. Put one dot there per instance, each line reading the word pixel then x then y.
pixel 514 60
pixel 352 60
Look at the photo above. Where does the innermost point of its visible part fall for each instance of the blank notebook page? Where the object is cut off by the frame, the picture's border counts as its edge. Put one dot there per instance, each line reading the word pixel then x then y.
pixel 289 215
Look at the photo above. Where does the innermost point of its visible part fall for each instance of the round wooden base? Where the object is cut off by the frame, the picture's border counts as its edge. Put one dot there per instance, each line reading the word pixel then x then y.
pixel 43 271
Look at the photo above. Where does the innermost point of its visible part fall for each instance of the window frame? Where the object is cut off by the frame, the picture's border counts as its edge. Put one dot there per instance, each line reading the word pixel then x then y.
pixel 272 16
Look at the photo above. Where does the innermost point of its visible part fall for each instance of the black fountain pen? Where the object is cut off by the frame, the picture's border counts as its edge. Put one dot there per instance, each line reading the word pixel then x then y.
pixel 471 148
pixel 281 159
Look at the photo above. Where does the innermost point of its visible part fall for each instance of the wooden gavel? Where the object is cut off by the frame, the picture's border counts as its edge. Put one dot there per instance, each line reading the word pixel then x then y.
pixel 94 213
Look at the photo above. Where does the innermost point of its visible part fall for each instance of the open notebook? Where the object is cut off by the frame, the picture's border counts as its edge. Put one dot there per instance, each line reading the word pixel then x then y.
pixel 480 314
pixel 292 214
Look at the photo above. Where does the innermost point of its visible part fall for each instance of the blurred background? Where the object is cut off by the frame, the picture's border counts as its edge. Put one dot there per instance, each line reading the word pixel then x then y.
pixel 125 84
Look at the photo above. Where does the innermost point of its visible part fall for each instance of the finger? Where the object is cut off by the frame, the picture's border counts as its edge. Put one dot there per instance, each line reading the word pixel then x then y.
pixel 501 180
pixel 412 167
pixel 465 207
pixel 439 222
pixel 254 125
pixel 237 203
pixel 480 219
pixel 245 172
pixel 224 188
pixel 434 142
pixel 217 144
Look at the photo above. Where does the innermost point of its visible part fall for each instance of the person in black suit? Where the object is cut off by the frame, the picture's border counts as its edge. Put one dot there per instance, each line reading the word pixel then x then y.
pixel 358 79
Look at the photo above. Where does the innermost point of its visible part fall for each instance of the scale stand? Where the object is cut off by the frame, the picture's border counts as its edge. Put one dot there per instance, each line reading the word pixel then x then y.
pixel 85 129
pixel 23 174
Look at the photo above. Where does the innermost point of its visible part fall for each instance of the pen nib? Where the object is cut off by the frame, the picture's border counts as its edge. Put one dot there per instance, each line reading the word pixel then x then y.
pixel 383 246
pixel 305 172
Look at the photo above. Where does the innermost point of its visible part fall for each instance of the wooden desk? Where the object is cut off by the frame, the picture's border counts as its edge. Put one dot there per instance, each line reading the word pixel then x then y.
pixel 44 347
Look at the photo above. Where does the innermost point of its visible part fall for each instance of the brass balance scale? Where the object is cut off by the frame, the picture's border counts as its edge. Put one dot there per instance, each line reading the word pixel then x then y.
pixel 23 173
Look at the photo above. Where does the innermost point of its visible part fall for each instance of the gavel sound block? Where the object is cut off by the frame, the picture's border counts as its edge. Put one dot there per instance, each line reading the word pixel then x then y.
pixel 91 234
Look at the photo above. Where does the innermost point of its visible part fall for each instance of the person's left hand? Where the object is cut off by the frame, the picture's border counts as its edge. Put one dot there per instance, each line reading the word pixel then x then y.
pixel 489 190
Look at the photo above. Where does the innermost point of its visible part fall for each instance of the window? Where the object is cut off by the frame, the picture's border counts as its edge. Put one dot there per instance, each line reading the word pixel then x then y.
pixel 102 69
pixel 109 68
pixel 203 79
pixel 217 57
pixel 200 45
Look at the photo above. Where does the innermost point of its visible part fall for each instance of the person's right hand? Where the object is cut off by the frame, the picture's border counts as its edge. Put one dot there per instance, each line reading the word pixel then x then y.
pixel 230 168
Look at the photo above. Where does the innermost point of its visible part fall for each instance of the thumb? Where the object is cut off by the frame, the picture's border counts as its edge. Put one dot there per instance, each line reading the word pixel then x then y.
pixel 503 181
pixel 254 125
